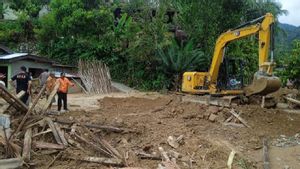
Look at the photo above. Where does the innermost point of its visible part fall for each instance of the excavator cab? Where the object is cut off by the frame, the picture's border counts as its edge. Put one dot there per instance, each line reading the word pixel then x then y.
pixel 231 76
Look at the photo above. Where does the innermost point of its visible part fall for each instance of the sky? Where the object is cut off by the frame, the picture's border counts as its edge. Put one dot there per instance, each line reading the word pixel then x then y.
pixel 293 16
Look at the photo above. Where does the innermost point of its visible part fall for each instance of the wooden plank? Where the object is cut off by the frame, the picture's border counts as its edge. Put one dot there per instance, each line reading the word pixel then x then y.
pixel 292 100
pixel 51 96
pixel 266 154
pixel 143 155
pixel 86 92
pixel 104 144
pixel 21 94
pixel 102 127
pixel 29 110
pixel 40 122
pixel 11 163
pixel 12 100
pixel 101 160
pixel 230 159
pixel 238 117
pixel 43 132
pixel 54 131
pixel 93 145
pixel 27 145
pixel 45 145
pixel 61 134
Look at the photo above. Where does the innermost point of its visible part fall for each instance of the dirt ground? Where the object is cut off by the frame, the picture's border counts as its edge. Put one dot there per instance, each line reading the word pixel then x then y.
pixel 153 117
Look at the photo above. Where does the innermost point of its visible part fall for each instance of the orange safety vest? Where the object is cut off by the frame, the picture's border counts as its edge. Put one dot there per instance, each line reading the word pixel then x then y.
pixel 64 85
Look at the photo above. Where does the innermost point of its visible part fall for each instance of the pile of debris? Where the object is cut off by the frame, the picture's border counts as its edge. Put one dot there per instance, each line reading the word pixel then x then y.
pixel 284 141
pixel 26 133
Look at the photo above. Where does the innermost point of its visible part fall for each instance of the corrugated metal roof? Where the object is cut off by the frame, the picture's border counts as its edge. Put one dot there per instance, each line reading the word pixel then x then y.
pixel 11 56
pixel 57 74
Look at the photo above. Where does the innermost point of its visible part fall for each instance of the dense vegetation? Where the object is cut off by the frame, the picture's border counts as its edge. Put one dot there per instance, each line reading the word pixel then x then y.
pixel 147 44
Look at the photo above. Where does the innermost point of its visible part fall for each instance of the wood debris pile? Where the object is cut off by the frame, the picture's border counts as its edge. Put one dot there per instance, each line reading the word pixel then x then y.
pixel 27 134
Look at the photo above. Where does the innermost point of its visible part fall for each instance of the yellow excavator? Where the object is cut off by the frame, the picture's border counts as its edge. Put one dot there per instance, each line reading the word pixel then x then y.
pixel 264 82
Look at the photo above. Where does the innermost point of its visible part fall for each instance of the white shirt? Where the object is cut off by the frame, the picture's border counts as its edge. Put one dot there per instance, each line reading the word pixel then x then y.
pixel 2 83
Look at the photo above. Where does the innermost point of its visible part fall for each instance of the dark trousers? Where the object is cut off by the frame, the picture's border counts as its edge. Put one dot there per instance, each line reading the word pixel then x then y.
pixel 25 97
pixel 62 97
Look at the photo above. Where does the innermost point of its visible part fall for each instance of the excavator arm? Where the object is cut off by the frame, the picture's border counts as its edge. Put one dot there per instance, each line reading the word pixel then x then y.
pixel 207 81
pixel 264 31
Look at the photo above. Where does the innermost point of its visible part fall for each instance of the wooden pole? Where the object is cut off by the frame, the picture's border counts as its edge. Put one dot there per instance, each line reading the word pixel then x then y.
pixel 266 154
pixel 29 111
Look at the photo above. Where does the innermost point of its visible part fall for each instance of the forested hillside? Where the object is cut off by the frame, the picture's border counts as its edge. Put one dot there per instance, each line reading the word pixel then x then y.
pixel 288 34
pixel 146 44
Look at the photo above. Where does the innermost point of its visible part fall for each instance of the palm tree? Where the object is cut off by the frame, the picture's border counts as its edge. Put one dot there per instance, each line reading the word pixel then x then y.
pixel 177 59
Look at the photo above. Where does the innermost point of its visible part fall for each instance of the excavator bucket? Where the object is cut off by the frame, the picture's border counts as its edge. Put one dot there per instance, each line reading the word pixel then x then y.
pixel 263 85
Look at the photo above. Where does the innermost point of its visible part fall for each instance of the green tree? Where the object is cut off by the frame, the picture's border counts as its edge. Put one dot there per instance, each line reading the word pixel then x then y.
pixel 70 32
pixel 177 59
pixel 291 66
pixel 30 7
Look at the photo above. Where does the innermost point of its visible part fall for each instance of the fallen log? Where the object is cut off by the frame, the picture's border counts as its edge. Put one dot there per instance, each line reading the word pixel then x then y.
pixel 101 160
pixel 45 145
pixel 27 145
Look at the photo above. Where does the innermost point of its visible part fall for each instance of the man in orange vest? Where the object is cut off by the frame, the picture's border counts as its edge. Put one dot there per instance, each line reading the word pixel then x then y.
pixel 50 84
pixel 64 84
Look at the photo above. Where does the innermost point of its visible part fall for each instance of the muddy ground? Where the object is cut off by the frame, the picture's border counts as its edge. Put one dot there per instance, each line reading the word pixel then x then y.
pixel 151 118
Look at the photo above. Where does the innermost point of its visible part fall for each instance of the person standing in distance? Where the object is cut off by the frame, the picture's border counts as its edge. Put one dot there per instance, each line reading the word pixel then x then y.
pixel 23 82
pixel 50 84
pixel 43 77
pixel 64 84
pixel 2 77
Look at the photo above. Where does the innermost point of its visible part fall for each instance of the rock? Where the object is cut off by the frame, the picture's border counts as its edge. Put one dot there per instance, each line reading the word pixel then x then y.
pixel 213 109
pixel 201 116
pixel 206 115
pixel 286 167
pixel 282 106
pixel 173 142
pixel 212 118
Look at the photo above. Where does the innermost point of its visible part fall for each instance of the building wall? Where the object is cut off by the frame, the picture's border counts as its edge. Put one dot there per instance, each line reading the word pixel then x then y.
pixel 9 14
pixel 15 68
pixel 29 64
